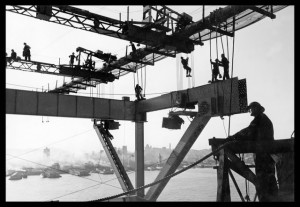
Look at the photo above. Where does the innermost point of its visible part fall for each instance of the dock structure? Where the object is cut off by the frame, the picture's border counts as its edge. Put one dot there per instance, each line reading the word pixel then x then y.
pixel 228 160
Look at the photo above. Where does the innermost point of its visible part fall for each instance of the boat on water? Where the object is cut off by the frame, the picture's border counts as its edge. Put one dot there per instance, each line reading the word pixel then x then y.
pixel 79 172
pixel 50 174
pixel 107 171
pixel 24 175
pixel 16 176
pixel 10 172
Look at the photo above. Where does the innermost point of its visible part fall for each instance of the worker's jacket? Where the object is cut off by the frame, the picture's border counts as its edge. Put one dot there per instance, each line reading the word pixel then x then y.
pixel 261 129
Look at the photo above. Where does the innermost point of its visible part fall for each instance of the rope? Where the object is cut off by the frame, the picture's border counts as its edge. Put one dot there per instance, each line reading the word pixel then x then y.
pixel 217 42
pixel 145 82
pixel 231 76
pixel 222 43
pixel 210 48
pixel 227 42
pixel 168 176
pixel 142 76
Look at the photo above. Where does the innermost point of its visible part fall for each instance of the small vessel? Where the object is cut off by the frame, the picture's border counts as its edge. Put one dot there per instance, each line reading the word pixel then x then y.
pixel 79 172
pixel 24 175
pixel 50 174
pixel 16 176
pixel 107 171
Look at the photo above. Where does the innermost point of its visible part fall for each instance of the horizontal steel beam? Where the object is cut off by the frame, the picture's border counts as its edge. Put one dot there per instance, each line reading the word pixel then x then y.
pixel 49 104
pixel 224 101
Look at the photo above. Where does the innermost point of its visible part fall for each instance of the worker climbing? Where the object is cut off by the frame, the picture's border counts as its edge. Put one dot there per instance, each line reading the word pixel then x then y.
pixel 186 67
pixel 138 92
pixel 261 129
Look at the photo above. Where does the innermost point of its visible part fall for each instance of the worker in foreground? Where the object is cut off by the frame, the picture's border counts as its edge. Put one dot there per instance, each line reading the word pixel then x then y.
pixel 261 129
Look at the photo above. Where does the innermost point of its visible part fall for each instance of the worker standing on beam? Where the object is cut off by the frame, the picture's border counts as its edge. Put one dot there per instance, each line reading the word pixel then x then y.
pixel 26 52
pixel 72 57
pixel 225 64
pixel 261 129
pixel 186 67
pixel 13 55
pixel 215 71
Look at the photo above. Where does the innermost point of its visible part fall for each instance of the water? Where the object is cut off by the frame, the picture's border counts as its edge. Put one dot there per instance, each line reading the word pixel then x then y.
pixel 197 184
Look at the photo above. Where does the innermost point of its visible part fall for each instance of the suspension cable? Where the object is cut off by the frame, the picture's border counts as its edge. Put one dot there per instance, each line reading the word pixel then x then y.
pixel 227 43
pixel 222 43
pixel 210 48
pixel 231 75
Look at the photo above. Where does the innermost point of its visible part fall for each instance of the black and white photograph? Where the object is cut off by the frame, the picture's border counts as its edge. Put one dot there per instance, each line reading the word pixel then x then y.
pixel 149 103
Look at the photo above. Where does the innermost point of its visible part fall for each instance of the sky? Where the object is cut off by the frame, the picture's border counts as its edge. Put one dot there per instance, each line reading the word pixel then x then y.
pixel 263 54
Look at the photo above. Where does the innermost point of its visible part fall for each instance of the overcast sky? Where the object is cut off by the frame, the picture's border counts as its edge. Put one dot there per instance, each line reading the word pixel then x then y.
pixel 263 54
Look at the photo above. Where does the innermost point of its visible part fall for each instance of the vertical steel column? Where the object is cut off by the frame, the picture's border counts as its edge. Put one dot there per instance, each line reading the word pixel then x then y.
pixel 139 158
pixel 223 191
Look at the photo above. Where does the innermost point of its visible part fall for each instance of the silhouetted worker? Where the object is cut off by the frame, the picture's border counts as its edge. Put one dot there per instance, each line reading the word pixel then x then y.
pixel 72 57
pixel 186 67
pixel 261 129
pixel 13 55
pixel 215 71
pixel 138 92
pixel 90 64
pixel 26 51
pixel 225 64
pixel 125 28
pixel 133 49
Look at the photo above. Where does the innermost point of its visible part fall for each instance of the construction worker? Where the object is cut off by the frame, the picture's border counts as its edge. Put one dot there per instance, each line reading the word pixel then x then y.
pixel 138 92
pixel 13 55
pixel 225 64
pixel 133 49
pixel 261 129
pixel 215 71
pixel 26 51
pixel 184 63
pixel 72 57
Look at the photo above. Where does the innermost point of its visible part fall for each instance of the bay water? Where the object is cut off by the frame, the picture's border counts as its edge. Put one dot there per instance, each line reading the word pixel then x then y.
pixel 196 184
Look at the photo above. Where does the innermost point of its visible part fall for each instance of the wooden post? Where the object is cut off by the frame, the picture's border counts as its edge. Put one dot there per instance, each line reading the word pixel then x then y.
pixel 223 191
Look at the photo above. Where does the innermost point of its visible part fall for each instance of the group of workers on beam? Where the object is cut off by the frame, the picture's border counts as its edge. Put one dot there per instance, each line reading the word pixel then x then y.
pixel 15 58
pixel 215 71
